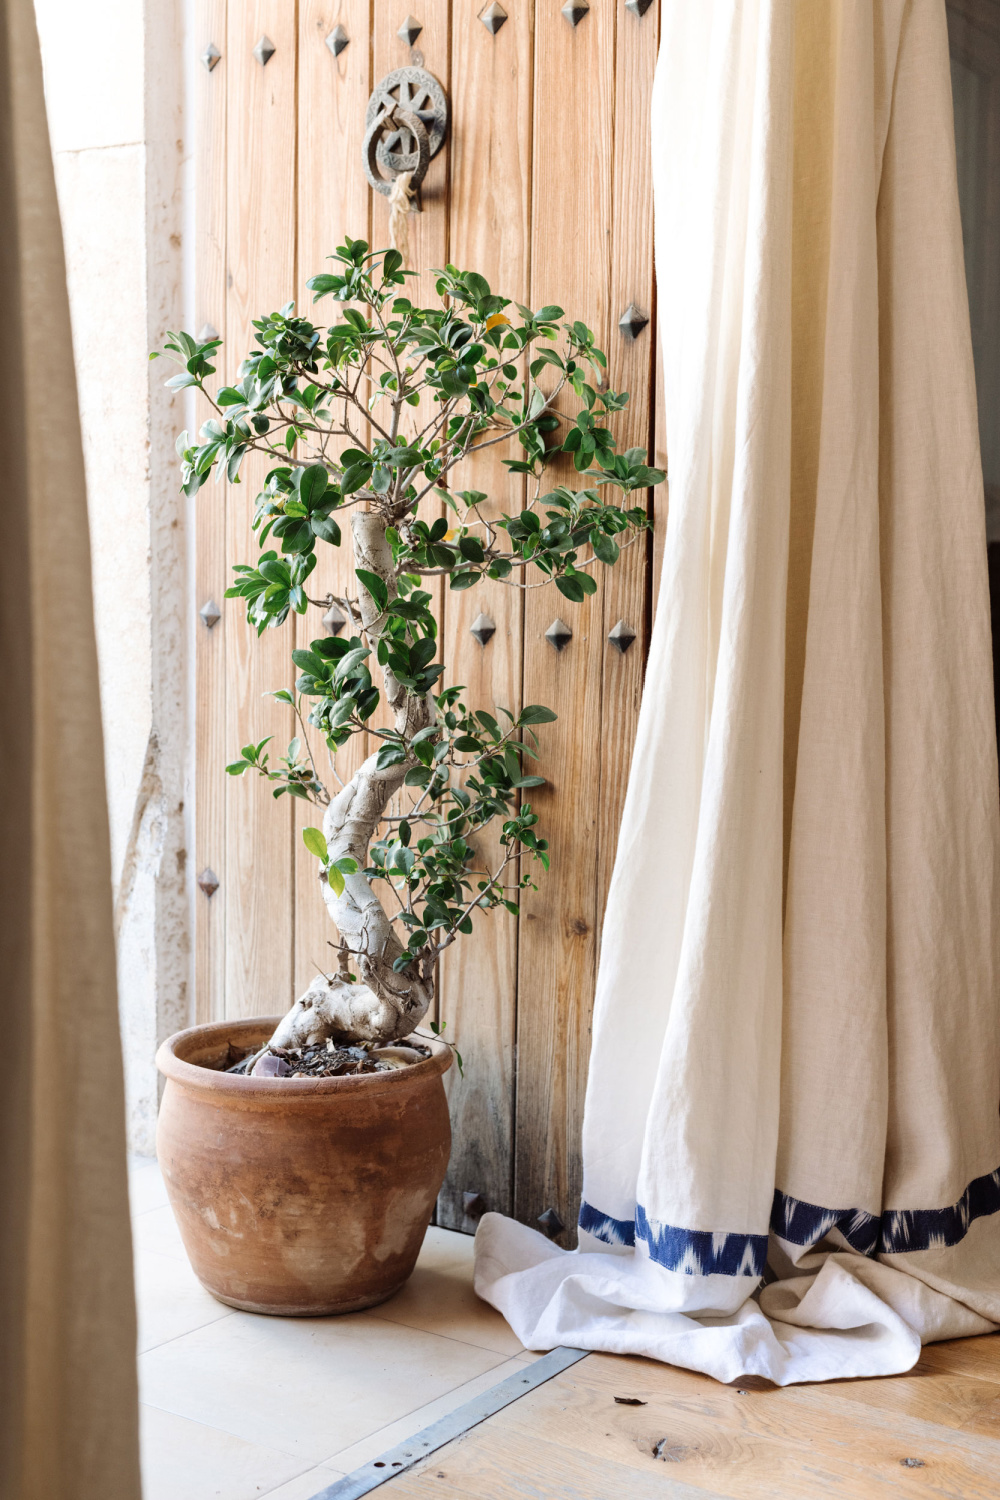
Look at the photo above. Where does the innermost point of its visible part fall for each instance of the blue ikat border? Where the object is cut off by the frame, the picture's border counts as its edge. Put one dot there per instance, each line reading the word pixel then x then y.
pixel 699 1252
pixel 695 1252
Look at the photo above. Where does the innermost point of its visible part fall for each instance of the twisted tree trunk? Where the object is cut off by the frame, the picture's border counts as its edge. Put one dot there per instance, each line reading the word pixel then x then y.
pixel 386 1005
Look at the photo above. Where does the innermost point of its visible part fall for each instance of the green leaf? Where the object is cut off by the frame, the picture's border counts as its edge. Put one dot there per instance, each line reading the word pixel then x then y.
pixel 536 713
pixel 336 880
pixel 315 842
pixel 389 755
pixel 605 548
pixel 308 661
pixel 313 485
pixel 350 662
pixel 354 476
pixel 375 586
pixel 570 588
pixel 327 530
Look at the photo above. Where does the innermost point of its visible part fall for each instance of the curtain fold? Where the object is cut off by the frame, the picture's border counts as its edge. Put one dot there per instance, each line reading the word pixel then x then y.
pixel 68 1402
pixel 795 1077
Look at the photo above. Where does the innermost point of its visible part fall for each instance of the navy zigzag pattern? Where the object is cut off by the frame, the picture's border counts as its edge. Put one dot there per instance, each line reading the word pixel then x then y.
pixel 699 1252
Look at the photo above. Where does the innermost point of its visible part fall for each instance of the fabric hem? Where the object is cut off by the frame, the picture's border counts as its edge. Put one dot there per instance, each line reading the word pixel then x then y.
pixel 699 1252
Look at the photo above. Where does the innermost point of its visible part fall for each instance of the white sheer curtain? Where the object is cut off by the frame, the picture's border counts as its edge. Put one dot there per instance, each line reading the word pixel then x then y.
pixel 68 1403
pixel 795 1076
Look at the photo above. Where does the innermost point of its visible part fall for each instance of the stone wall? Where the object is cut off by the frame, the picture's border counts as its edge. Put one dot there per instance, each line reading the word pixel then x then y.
pixel 115 97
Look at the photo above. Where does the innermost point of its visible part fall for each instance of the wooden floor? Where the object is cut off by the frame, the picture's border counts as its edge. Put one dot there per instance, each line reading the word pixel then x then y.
pixel 932 1433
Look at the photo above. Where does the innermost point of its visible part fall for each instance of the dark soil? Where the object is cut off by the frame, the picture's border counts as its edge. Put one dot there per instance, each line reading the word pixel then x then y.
pixel 324 1060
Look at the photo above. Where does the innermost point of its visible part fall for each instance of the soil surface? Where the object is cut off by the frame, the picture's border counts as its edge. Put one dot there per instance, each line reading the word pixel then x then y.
pixel 325 1060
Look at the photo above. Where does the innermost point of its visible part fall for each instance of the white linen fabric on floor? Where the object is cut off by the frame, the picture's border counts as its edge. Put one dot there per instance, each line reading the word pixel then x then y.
pixel 792 1139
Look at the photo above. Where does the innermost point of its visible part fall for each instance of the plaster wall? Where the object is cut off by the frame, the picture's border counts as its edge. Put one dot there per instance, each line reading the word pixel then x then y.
pixel 115 100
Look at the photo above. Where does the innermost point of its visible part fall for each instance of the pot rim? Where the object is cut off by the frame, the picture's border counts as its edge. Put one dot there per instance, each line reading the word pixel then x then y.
pixel 177 1070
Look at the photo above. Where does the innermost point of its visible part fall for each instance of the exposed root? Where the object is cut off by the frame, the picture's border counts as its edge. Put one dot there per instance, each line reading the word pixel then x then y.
pixel 344 1012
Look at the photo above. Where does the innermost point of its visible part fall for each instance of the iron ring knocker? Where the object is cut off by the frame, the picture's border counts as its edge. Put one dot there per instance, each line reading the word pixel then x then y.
pixel 408 107
pixel 392 122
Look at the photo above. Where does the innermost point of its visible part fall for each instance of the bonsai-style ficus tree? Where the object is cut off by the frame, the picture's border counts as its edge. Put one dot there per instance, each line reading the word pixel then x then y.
pixel 369 419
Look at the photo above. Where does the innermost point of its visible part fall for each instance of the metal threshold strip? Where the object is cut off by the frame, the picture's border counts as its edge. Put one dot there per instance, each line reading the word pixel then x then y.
pixel 397 1460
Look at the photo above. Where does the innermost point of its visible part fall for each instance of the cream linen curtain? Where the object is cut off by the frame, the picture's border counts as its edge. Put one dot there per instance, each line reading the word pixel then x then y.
pixel 795 1079
pixel 68 1405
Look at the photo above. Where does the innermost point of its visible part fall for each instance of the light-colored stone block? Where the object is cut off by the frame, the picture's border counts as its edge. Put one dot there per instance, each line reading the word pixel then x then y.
pixel 312 1482
pixel 439 1297
pixel 307 1387
pixel 185 1460
pixel 146 1188
pixel 349 1459
pixel 157 1231
pixel 170 1300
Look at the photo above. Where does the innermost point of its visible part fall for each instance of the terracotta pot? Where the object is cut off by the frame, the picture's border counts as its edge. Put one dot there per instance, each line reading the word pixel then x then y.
pixel 299 1196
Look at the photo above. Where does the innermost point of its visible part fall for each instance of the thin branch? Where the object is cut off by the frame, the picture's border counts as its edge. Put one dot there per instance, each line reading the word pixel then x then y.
pixel 323 801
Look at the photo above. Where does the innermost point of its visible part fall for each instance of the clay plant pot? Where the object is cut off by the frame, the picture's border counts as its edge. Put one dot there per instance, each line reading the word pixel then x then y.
pixel 299 1196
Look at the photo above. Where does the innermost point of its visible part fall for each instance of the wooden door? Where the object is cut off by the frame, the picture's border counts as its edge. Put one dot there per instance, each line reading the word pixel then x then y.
pixel 544 188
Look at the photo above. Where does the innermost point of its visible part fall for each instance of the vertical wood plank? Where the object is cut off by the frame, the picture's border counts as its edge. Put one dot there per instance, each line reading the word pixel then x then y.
pixel 631 367
pixel 428 231
pixel 261 208
pixel 490 206
pixel 333 204
pixel 211 578
pixel 572 191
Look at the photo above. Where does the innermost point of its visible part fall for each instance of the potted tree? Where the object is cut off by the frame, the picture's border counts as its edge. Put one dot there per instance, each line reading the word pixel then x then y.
pixel 303 1155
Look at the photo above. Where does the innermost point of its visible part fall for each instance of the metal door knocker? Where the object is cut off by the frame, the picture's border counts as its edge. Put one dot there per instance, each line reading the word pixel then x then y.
pixel 407 121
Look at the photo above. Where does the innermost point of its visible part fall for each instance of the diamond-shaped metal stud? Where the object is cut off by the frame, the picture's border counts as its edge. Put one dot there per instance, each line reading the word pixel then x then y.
pixel 207 333
pixel 264 51
pixel 483 628
pixel 473 1205
pixel 334 620
pixel 632 321
pixel 638 7
pixel 337 40
pixel 210 613
pixel 208 881
pixel 621 636
pixel 410 30
pixel 210 56
pixel 559 634
pixel 550 1223
pixel 493 18
pixel 575 10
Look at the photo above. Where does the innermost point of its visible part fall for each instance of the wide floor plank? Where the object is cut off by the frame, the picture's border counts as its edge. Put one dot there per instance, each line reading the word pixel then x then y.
pixel 933 1434
pixel 485 1465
